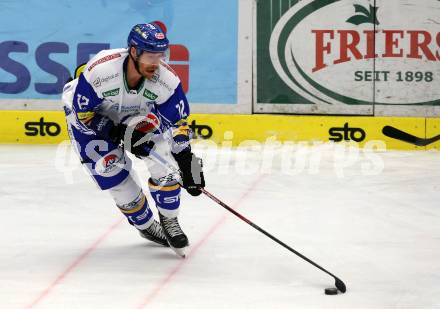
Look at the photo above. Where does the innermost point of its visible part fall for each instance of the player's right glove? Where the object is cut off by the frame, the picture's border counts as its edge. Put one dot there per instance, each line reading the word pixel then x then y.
pixel 136 132
pixel 191 172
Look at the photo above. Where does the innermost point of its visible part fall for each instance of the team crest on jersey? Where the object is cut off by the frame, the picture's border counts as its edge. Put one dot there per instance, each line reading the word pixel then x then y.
pixel 110 164
pixel 110 159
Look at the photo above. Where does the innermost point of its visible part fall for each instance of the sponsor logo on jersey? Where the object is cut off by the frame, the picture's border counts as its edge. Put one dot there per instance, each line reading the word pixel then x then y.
pixel 42 128
pixel 127 109
pixel 108 78
pixel 103 59
pixel 150 95
pixel 97 82
pixel 102 123
pixel 102 80
pixel 114 106
pixel 155 77
pixel 164 84
pixel 110 93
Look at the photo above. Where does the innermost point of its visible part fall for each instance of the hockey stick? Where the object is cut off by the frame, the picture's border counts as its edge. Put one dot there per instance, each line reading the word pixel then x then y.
pixel 408 138
pixel 340 285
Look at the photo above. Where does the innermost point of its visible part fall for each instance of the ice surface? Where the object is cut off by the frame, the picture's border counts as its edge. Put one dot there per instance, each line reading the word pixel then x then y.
pixel 373 220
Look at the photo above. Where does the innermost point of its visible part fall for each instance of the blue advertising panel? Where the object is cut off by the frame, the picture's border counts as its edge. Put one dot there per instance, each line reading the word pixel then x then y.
pixel 41 42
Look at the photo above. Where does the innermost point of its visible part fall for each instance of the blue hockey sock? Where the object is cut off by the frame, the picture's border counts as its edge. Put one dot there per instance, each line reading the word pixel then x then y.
pixel 167 198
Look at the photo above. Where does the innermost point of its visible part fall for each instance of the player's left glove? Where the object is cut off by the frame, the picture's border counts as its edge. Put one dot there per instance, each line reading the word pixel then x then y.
pixel 191 172
pixel 136 132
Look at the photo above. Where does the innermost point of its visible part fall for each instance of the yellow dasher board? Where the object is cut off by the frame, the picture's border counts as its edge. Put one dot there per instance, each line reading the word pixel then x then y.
pixel 49 127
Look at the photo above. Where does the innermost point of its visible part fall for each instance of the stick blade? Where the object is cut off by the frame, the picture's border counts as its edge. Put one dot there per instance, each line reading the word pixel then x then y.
pixel 340 285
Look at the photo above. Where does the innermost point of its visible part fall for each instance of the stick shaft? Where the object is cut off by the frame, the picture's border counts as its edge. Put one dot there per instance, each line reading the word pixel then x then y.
pixel 218 201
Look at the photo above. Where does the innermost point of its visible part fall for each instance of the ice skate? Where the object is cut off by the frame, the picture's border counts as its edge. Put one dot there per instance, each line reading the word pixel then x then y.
pixel 174 234
pixel 155 234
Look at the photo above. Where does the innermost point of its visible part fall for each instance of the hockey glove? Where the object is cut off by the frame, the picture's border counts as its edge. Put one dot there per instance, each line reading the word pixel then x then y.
pixel 191 171
pixel 181 138
pixel 136 135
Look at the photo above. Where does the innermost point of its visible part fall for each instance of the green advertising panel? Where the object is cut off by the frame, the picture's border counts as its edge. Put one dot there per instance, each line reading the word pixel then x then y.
pixel 347 57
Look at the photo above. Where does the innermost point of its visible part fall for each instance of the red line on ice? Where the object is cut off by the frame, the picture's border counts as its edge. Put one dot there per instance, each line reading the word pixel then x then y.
pixel 74 264
pixel 168 278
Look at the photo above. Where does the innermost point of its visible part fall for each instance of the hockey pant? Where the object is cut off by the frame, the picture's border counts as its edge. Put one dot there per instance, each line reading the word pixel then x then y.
pixel 111 169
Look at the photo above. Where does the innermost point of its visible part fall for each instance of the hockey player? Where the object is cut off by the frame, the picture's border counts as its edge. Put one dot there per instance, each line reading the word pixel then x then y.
pixel 129 99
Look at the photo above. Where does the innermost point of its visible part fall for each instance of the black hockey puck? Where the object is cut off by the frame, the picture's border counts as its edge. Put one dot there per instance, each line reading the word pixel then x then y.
pixel 331 291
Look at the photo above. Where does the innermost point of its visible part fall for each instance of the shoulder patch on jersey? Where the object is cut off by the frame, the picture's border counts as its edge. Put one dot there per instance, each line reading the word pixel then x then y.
pixel 110 93
pixel 103 59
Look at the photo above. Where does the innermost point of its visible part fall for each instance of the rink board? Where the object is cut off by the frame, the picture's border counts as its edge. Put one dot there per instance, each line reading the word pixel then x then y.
pixel 49 127
pixel 432 130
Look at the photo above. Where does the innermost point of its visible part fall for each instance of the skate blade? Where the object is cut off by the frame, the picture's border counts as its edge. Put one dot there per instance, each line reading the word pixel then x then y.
pixel 180 251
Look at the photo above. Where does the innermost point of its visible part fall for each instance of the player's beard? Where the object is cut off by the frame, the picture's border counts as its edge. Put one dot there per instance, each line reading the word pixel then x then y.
pixel 138 69
pixel 136 65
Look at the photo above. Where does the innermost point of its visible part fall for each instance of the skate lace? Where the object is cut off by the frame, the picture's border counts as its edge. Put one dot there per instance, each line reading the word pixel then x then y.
pixel 171 225
pixel 156 230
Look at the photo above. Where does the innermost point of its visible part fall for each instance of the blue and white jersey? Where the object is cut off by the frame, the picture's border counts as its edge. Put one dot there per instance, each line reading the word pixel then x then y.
pixel 102 89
